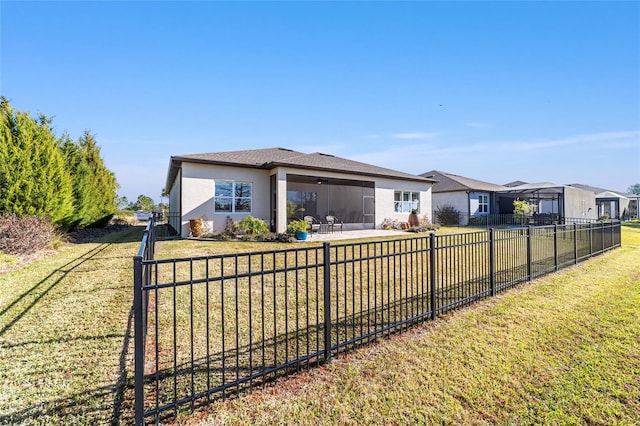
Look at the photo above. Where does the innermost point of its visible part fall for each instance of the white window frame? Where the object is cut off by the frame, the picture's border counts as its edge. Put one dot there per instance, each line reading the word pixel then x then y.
pixel 233 198
pixel 405 201
pixel 483 204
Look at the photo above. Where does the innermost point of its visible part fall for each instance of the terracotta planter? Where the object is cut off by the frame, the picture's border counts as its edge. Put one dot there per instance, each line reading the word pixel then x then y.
pixel 196 227
pixel 414 220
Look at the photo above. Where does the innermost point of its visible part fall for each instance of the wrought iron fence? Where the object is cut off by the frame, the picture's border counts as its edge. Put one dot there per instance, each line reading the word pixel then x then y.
pixel 455 218
pixel 206 327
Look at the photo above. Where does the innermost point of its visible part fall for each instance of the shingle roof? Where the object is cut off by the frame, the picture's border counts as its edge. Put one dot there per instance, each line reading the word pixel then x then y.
pixel 271 158
pixel 598 191
pixel 447 182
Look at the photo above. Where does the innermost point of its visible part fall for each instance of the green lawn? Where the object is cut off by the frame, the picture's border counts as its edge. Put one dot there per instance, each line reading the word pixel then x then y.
pixel 564 350
pixel 63 335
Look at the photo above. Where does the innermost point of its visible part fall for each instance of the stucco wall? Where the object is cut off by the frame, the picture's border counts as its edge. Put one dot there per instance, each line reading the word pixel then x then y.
pixel 174 203
pixel 385 189
pixel 459 200
pixel 198 192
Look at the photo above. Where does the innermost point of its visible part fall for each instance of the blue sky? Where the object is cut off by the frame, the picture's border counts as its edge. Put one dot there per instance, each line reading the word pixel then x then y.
pixel 497 91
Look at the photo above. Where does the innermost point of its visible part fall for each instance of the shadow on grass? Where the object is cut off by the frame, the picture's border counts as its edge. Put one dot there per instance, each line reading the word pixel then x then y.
pixel 57 275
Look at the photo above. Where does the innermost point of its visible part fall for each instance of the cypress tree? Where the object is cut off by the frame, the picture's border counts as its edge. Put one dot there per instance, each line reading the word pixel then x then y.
pixel 103 185
pixel 33 176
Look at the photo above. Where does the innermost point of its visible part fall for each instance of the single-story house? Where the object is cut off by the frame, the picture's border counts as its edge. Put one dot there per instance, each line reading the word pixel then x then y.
pixel 469 197
pixel 276 184
pixel 559 203
pixel 613 204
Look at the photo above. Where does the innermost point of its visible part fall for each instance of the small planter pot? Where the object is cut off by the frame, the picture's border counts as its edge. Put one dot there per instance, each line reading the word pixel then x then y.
pixel 301 235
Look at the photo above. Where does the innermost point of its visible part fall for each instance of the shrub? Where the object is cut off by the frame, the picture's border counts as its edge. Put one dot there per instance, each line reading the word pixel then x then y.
pixel 521 210
pixel 297 226
pixel 423 227
pixel 253 226
pixel 25 234
pixel 448 215
pixel 392 224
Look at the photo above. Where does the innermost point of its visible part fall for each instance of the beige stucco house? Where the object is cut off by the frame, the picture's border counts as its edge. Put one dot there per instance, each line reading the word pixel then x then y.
pixel 275 184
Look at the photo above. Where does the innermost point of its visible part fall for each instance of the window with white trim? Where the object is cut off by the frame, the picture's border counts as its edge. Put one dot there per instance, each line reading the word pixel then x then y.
pixel 232 197
pixel 483 204
pixel 406 201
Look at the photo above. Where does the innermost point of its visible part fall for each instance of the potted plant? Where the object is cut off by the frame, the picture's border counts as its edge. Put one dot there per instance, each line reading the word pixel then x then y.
pixel 413 219
pixel 299 229
pixel 196 227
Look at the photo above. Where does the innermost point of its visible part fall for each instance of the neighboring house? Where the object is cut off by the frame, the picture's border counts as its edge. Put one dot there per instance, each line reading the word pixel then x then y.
pixel 470 197
pixel 614 204
pixel 559 203
pixel 276 184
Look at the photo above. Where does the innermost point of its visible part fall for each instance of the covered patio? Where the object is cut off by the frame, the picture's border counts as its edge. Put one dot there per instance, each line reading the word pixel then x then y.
pixel 550 203
pixel 351 202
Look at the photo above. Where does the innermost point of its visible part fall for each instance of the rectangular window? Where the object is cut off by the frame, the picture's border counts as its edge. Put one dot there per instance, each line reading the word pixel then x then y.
pixel 232 197
pixel 406 201
pixel 483 204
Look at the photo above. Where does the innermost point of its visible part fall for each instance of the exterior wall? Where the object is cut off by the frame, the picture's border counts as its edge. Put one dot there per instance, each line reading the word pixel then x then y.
pixel 579 204
pixel 385 189
pixel 459 200
pixel 196 184
pixel 198 194
pixel 174 202
pixel 384 193
pixel 474 203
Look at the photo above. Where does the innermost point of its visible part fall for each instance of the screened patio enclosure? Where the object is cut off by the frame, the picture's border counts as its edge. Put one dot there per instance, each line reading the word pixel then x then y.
pixel 351 201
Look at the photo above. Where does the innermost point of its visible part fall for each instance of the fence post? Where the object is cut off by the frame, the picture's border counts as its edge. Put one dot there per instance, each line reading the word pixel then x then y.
pixel 590 239
pixel 138 327
pixel 327 301
pixel 529 254
pixel 602 237
pixel 575 243
pixel 432 272
pixel 555 247
pixel 492 263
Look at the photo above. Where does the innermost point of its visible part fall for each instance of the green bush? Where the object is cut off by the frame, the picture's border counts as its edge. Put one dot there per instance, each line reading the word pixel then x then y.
pixel 297 226
pixel 253 226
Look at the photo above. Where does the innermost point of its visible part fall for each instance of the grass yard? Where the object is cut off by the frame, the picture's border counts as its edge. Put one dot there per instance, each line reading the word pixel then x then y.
pixel 64 341
pixel 562 350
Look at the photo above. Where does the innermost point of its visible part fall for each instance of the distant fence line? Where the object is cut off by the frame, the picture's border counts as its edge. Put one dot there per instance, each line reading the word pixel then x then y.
pixel 212 325
pixel 454 218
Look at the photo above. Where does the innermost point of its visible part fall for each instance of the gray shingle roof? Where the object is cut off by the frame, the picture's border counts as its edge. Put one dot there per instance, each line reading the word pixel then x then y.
pixel 271 158
pixel 447 182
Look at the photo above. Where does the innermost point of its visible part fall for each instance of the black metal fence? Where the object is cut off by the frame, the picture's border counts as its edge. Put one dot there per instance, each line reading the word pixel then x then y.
pixel 206 327
pixel 451 218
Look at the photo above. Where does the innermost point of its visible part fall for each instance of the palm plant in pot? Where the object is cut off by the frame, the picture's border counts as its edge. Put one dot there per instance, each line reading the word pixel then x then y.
pixel 298 228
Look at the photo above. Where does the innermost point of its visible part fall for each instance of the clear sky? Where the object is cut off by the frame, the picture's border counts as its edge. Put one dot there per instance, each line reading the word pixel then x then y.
pixel 497 91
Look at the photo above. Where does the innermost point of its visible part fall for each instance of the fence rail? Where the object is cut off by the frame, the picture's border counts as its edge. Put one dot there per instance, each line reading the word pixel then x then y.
pixel 495 219
pixel 209 326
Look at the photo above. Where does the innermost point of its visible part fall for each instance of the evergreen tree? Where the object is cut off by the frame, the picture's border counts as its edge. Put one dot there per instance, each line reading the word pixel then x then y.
pixel 103 183
pixel 33 176
pixel 79 169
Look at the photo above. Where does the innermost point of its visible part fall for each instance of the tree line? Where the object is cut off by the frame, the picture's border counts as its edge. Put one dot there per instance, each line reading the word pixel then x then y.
pixel 46 176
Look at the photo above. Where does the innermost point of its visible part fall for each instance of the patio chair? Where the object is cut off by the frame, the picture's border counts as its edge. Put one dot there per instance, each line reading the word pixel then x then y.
pixel 334 223
pixel 314 224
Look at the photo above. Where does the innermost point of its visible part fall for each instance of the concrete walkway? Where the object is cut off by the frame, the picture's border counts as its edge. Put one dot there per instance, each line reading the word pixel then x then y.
pixel 360 233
